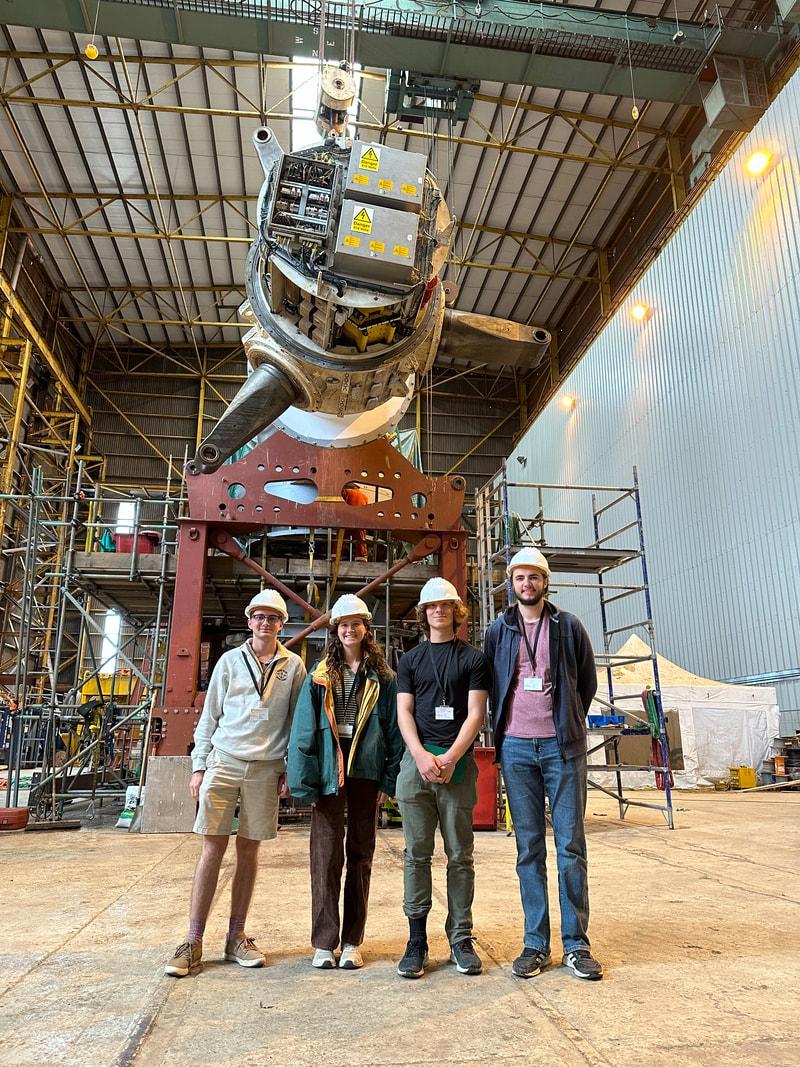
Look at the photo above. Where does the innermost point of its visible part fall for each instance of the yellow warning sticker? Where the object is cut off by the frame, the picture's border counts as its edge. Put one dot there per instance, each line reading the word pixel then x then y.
pixel 409 190
pixel 400 250
pixel 360 179
pixel 377 246
pixel 362 219
pixel 384 183
pixel 351 241
pixel 370 159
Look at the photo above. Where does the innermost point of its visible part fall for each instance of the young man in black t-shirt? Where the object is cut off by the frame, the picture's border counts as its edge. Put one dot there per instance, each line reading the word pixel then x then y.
pixel 442 688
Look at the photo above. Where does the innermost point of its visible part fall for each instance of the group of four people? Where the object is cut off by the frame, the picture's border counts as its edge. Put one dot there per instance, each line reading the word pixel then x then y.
pixel 349 735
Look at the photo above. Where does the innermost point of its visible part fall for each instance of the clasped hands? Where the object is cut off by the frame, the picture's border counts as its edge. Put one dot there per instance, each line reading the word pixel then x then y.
pixel 436 769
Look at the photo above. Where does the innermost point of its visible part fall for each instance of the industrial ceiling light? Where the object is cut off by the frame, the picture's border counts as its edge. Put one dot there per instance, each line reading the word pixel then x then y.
pixel 639 311
pixel 568 402
pixel 758 162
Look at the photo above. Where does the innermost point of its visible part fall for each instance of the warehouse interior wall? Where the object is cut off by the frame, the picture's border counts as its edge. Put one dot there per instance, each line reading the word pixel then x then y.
pixel 702 397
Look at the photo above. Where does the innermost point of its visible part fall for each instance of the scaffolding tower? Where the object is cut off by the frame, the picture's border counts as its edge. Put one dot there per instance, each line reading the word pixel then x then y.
pixel 606 559
pixel 76 705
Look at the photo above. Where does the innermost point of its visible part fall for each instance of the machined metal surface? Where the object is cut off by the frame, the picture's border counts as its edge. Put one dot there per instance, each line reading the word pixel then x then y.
pixel 344 298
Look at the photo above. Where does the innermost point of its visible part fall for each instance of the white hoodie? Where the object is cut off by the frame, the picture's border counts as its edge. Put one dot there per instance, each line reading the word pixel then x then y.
pixel 231 721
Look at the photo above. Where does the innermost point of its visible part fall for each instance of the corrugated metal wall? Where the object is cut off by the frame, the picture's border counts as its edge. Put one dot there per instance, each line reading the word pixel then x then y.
pixel 703 397
pixel 139 422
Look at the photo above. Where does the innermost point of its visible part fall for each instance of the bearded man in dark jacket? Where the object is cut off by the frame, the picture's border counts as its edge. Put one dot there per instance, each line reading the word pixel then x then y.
pixel 543 681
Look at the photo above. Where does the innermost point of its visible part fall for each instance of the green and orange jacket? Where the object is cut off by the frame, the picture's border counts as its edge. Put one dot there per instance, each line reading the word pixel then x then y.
pixel 315 763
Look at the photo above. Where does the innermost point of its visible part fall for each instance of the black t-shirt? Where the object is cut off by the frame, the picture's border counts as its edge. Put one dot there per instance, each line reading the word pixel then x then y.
pixel 461 668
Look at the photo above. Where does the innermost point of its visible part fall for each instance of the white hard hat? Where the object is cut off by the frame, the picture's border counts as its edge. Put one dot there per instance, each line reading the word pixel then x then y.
pixel 268 598
pixel 348 604
pixel 528 557
pixel 436 589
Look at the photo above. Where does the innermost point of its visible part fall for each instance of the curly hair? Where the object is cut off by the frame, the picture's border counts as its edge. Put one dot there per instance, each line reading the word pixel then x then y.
pixel 372 657
pixel 460 614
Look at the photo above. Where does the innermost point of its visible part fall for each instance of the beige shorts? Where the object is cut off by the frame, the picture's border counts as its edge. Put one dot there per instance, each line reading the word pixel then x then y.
pixel 252 784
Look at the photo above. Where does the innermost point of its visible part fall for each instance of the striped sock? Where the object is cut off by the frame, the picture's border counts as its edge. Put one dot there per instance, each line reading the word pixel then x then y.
pixel 235 927
pixel 196 930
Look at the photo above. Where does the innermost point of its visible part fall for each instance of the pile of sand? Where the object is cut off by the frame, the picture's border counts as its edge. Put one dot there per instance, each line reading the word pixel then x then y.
pixel 641 674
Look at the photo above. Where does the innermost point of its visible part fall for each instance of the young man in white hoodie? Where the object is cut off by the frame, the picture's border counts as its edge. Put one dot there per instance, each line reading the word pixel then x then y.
pixel 239 758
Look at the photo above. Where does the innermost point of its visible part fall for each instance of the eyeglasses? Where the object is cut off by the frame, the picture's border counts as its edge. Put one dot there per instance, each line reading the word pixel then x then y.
pixel 271 620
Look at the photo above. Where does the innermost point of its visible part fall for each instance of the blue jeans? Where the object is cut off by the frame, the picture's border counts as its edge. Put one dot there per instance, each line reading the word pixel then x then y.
pixel 533 767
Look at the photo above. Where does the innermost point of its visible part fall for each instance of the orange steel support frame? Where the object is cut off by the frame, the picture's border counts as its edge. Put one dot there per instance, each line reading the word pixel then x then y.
pixel 234 501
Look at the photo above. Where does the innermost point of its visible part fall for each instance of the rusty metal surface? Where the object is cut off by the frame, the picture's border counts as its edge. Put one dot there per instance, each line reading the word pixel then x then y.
pixel 235 493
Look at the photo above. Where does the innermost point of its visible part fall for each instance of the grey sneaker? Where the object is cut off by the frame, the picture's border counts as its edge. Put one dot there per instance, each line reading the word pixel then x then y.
pixel 530 962
pixel 324 959
pixel 187 956
pixel 465 957
pixel 583 964
pixel 413 963
pixel 351 958
pixel 244 951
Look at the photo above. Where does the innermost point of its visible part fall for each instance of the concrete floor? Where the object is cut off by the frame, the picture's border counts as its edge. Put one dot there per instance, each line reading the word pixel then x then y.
pixel 697 930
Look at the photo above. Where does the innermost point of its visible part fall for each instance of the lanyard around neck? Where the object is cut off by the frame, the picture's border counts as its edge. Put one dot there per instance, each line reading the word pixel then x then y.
pixel 356 678
pixel 442 684
pixel 531 652
pixel 267 670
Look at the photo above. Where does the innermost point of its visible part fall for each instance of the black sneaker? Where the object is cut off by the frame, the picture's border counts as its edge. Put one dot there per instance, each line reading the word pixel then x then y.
pixel 465 957
pixel 583 964
pixel 413 963
pixel 531 962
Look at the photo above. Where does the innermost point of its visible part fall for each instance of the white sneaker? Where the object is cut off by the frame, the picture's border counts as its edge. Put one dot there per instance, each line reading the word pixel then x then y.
pixel 324 958
pixel 350 958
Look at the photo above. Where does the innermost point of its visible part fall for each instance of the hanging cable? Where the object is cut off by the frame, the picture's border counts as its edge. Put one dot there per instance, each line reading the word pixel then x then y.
pixel 352 52
pixel 679 36
pixel 634 109
pixel 90 51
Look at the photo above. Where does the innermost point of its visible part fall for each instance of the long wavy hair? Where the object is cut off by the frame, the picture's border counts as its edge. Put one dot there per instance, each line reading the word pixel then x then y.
pixel 372 657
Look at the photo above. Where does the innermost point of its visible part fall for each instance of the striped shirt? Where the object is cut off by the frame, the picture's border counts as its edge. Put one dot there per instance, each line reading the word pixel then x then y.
pixel 345 701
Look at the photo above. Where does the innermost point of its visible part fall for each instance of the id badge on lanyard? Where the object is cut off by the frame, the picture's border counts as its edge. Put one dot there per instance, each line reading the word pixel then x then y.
pixel 443 712
pixel 534 684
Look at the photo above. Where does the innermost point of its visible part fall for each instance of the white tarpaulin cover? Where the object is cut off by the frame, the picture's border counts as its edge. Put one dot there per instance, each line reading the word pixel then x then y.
pixel 722 725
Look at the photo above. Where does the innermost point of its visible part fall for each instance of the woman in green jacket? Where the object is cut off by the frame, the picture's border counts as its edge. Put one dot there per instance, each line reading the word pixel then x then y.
pixel 344 755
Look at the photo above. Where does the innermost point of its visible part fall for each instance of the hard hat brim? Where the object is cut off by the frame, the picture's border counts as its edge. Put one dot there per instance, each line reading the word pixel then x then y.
pixel 531 567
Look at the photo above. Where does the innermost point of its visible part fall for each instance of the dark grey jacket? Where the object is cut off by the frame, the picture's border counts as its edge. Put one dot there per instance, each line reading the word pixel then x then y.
pixel 572 668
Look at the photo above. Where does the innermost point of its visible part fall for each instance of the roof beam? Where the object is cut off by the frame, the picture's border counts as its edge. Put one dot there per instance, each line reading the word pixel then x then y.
pixel 251 198
pixel 489 144
pixel 154 235
pixel 58 59
pixel 550 44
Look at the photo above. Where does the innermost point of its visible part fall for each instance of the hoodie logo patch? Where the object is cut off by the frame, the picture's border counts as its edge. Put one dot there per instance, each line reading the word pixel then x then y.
pixel 281 675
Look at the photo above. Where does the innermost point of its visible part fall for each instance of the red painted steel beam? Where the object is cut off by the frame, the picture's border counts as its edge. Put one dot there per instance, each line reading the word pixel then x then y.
pixel 453 567
pixel 409 503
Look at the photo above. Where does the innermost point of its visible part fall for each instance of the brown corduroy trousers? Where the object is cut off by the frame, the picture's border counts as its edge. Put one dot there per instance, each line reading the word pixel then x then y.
pixel 330 846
